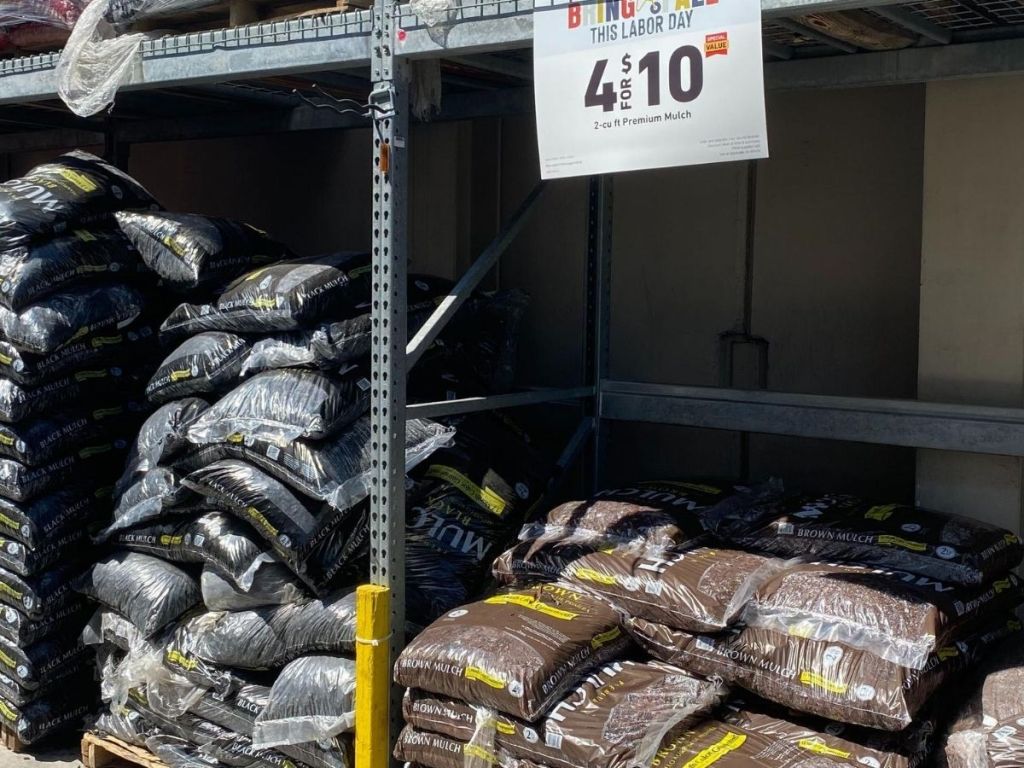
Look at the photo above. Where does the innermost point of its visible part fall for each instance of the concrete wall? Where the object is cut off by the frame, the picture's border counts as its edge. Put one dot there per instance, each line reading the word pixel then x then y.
pixel 835 253
pixel 972 273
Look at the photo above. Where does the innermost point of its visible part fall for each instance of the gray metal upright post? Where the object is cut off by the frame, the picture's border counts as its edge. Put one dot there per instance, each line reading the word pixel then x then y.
pixel 387 397
pixel 599 299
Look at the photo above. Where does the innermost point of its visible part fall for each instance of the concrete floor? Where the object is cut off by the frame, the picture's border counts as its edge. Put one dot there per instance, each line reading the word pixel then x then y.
pixel 59 755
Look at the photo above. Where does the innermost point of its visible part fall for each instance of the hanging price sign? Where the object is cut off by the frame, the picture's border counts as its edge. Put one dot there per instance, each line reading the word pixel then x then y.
pixel 622 85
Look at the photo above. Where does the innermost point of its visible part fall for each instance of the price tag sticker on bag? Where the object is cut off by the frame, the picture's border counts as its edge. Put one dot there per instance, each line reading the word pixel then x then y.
pixel 623 85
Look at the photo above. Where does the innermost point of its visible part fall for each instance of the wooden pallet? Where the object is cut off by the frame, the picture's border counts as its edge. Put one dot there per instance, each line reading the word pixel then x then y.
pixel 10 741
pixel 238 13
pixel 106 751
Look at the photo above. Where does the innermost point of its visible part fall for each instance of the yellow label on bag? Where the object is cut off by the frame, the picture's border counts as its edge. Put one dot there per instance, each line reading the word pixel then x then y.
pixel 236 438
pixel 728 743
pixel 485 497
pixel 814 680
pixel 589 574
pixel 183 661
pixel 804 629
pixel 947 652
pixel 818 748
pixel 6 440
pixel 7 712
pixel 881 512
pixel 605 637
pixel 7 589
pixel 528 601
pixel 6 359
pixel 168 540
pixel 85 235
pixel 184 373
pixel 480 753
pixel 895 541
pixel 506 728
pixel 7 660
pixel 102 341
pixel 265 524
pixel 1001 585
pixel 9 522
pixel 264 303
pixel 482 676
pixel 81 181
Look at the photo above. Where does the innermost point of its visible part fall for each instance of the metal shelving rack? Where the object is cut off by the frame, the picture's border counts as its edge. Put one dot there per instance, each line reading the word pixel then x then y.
pixel 373 51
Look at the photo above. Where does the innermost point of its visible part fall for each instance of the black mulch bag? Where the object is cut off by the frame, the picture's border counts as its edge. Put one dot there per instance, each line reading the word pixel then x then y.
pixel 65 709
pixel 31 271
pixel 467 504
pixel 264 638
pixel 236 750
pixel 26 561
pixel 284 521
pixel 339 549
pixel 273 584
pixel 313 699
pixel 281 297
pixel 63 317
pixel 188 251
pixel 128 725
pixel 39 663
pixel 154 495
pixel 285 405
pixel 136 343
pixel 220 541
pixel 97 460
pixel 76 671
pixel 23 631
pixel 334 344
pixel 37 597
pixel 19 403
pixel 176 752
pixel 37 441
pixel 37 522
pixel 336 471
pixel 75 188
pixel 207 362
pixel 161 438
pixel 151 593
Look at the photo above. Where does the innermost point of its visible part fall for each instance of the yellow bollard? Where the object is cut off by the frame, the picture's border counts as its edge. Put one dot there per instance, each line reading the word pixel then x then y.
pixel 373 676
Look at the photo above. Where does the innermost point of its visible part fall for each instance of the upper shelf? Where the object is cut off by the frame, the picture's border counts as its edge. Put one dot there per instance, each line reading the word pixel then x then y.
pixel 943 38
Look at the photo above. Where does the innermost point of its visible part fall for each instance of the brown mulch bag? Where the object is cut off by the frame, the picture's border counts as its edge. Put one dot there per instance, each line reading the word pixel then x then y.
pixel 518 652
pixel 898 616
pixel 700 590
pixel 835 527
pixel 823 678
pixel 616 718
pixel 988 731
pixel 432 750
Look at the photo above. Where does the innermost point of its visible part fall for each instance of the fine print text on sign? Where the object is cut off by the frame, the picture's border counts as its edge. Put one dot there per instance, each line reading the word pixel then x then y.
pixel 628 84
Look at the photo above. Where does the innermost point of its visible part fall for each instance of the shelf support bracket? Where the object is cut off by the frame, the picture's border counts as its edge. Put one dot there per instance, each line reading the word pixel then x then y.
pixel 471 279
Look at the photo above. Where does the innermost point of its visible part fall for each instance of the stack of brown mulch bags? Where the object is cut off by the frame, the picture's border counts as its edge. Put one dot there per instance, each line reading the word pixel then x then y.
pixel 829 626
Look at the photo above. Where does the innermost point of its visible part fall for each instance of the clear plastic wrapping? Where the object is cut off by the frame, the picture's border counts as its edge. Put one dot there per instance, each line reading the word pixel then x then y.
pixel 518 652
pixel 941 546
pixel 823 678
pixel 136 342
pixel 161 438
pixel 39 440
pixel 32 271
pixel 176 752
pixel 61 317
pixel 897 616
pixel 271 585
pixel 220 541
pixel 616 718
pixel 55 13
pixel 433 750
pixel 702 590
pixel 189 251
pixel 128 11
pixel 312 699
pixel 148 591
pixel 125 724
pixel 336 471
pixel 281 406
pixel 19 403
pixel 285 296
pixel 156 494
pixel 207 362
pixel 263 638
pixel 76 188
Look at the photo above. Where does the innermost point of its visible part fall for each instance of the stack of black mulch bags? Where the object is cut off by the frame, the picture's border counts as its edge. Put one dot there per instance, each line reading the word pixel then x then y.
pixel 75 352
pixel 240 528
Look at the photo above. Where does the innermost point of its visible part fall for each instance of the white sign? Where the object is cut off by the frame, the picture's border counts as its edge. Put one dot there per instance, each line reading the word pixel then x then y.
pixel 628 84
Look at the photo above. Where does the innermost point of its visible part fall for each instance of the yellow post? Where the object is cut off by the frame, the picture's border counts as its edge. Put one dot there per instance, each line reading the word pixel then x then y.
pixel 373 676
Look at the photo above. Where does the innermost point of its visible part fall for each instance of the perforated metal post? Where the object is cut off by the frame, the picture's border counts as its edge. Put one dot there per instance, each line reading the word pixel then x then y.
pixel 598 299
pixel 387 401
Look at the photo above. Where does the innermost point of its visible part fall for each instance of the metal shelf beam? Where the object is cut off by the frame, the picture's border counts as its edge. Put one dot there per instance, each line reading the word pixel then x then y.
pixel 910 423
